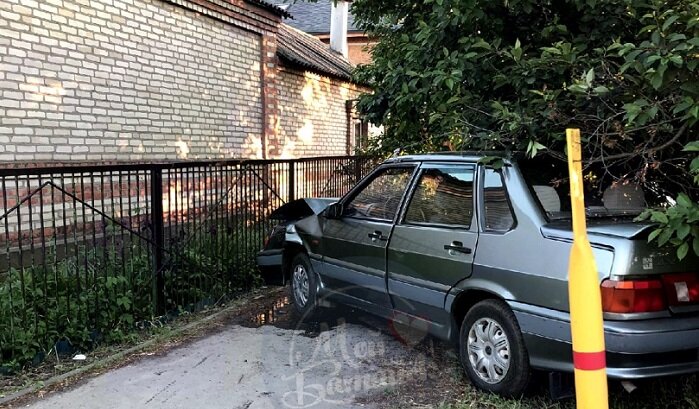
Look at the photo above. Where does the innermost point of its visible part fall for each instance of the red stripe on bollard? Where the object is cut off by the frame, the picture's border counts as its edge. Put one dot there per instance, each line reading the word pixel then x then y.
pixel 589 361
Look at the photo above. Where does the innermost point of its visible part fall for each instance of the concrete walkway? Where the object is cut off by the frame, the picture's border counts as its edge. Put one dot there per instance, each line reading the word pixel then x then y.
pixel 254 368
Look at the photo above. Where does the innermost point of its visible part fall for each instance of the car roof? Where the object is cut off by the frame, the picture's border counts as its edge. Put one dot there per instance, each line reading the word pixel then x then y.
pixel 460 156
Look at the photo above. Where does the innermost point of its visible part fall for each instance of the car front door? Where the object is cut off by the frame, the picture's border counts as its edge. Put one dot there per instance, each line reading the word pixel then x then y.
pixel 354 245
pixel 433 245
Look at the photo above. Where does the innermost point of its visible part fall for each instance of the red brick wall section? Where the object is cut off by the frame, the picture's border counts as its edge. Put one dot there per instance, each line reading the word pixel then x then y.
pixel 270 141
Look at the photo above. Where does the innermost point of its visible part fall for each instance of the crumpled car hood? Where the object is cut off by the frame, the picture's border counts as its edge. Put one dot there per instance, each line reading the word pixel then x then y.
pixel 300 208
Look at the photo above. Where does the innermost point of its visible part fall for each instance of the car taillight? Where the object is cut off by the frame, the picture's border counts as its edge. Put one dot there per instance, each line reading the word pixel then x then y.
pixel 633 296
pixel 681 289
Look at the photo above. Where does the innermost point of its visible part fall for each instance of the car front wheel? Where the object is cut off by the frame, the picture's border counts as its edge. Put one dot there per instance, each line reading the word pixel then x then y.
pixel 492 349
pixel 303 285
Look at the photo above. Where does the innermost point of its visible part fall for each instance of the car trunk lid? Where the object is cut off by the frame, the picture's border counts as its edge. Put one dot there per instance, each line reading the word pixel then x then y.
pixel 562 229
pixel 645 278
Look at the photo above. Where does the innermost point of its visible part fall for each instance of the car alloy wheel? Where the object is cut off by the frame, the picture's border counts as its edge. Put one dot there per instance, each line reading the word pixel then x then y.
pixel 300 284
pixel 488 350
pixel 492 349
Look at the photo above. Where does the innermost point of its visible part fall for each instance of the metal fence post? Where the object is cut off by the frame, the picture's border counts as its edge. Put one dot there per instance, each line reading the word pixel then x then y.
pixel 156 197
pixel 292 181
pixel 358 169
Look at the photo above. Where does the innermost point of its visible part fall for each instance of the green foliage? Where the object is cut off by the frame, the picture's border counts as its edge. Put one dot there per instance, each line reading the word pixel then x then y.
pixel 104 295
pixel 76 302
pixel 513 74
pixel 678 225
pixel 218 262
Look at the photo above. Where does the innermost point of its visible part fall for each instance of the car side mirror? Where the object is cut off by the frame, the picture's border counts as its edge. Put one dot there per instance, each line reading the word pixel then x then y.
pixel 334 211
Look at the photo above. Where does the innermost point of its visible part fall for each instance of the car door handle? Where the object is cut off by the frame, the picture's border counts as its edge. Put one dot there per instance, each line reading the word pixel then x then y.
pixel 458 247
pixel 377 235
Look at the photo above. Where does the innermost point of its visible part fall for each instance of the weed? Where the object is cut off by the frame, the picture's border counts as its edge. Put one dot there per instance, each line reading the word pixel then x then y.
pixel 670 393
pixel 104 294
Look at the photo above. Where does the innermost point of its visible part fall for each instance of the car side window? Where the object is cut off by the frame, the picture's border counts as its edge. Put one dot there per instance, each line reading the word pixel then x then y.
pixel 497 209
pixel 381 197
pixel 444 196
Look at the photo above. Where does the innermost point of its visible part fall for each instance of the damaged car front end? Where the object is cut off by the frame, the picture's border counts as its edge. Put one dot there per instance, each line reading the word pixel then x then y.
pixel 284 236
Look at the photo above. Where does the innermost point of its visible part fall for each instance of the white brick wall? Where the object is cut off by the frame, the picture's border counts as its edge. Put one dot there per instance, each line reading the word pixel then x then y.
pixel 124 80
pixel 313 114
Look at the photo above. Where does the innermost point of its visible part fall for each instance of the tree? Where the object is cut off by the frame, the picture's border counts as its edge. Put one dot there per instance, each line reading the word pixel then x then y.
pixel 513 74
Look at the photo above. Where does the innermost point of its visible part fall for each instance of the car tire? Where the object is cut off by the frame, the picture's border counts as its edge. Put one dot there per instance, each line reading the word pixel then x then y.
pixel 492 349
pixel 303 285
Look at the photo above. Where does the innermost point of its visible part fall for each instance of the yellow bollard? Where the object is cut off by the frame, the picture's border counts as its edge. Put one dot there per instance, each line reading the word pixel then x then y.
pixel 584 296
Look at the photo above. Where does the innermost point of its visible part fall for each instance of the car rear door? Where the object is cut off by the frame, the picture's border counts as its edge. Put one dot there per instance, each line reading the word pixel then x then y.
pixel 354 245
pixel 433 245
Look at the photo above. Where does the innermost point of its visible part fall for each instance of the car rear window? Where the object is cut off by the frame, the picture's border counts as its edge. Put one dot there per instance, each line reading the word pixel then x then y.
pixel 606 195
pixel 498 212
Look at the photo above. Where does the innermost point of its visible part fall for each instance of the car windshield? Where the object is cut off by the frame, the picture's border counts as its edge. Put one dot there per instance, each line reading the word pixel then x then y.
pixel 605 196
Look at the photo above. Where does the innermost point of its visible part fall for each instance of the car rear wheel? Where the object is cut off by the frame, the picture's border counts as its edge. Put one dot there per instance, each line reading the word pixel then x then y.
pixel 303 285
pixel 492 349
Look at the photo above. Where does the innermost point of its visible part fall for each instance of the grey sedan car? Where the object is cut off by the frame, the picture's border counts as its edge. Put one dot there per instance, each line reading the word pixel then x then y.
pixel 479 255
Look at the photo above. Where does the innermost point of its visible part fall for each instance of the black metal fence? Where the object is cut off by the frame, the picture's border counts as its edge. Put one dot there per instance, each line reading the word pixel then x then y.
pixel 87 253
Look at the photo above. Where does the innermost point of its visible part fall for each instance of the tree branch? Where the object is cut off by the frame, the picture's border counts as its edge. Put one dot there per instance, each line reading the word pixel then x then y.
pixel 644 152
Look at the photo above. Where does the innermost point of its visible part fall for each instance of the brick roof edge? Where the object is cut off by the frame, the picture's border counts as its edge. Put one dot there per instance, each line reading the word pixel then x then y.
pixel 271 7
pixel 296 47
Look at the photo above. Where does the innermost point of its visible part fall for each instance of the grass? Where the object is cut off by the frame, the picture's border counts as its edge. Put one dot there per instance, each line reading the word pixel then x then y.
pixel 188 327
pixel 103 294
pixel 671 393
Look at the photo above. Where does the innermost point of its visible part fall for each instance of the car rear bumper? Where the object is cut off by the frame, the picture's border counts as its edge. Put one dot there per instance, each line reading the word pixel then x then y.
pixel 635 349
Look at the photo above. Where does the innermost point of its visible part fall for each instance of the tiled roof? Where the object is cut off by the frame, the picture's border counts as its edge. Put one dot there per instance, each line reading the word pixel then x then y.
pixel 269 5
pixel 297 47
pixel 313 18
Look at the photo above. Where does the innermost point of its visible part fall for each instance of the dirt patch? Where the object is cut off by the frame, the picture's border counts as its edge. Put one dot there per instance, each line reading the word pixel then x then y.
pixel 441 380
